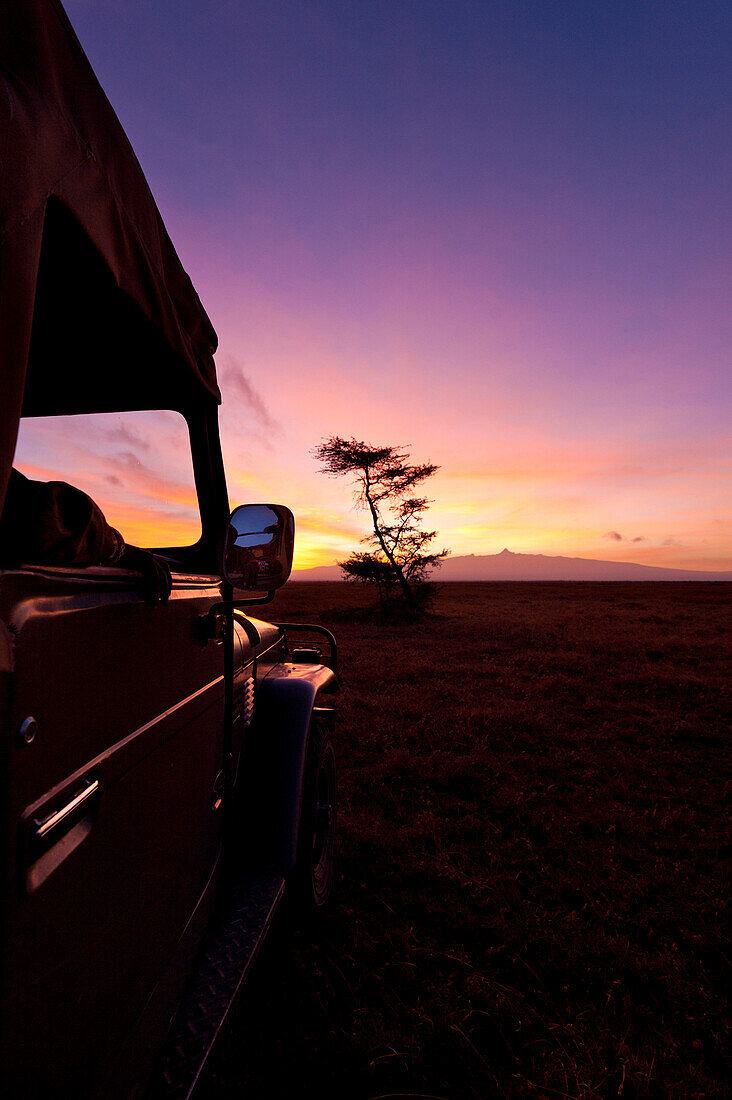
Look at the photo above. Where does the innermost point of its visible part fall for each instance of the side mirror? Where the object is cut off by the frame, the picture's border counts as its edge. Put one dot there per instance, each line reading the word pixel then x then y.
pixel 258 549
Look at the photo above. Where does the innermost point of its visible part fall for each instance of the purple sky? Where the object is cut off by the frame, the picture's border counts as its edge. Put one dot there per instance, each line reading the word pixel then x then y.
pixel 498 232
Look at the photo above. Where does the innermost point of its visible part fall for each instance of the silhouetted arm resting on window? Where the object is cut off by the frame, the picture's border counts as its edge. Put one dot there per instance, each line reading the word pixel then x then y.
pixel 53 523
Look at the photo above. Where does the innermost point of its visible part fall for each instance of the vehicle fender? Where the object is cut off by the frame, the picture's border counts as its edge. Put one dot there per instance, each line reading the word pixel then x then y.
pixel 285 701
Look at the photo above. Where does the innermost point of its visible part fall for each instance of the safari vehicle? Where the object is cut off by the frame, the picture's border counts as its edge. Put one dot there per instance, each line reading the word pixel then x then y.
pixel 167 771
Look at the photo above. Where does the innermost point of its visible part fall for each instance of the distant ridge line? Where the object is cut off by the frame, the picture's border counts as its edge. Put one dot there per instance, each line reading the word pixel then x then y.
pixel 508 566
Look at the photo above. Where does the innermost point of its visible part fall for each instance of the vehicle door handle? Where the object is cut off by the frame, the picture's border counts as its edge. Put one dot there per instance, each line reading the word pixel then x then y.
pixel 48 830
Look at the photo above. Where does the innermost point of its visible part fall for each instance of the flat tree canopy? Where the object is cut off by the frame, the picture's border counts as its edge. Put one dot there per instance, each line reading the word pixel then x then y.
pixel 385 482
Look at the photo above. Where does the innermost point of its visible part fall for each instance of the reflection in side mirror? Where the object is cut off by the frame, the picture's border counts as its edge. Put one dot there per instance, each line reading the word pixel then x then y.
pixel 258 548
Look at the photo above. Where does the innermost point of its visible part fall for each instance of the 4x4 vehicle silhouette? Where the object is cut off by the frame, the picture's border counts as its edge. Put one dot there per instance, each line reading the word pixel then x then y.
pixel 167 765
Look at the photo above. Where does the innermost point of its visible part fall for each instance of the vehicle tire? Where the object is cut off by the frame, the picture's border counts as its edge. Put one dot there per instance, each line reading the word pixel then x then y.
pixel 312 879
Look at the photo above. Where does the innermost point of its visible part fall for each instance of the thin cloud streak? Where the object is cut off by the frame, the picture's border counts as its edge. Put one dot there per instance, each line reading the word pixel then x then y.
pixel 240 394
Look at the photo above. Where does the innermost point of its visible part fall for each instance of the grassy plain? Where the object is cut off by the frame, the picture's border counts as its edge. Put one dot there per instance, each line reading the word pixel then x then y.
pixel 532 827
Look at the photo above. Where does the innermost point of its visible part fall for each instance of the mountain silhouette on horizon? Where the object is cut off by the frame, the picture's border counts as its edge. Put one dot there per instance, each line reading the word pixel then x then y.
pixel 508 566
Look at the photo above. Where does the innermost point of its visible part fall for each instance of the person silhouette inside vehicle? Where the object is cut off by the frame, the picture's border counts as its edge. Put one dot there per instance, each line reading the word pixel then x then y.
pixel 54 523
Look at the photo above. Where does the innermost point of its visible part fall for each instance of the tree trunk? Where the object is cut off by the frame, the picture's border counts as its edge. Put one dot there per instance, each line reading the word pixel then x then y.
pixel 403 583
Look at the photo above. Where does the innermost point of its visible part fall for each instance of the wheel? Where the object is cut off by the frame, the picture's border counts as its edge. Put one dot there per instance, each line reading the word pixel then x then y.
pixel 312 879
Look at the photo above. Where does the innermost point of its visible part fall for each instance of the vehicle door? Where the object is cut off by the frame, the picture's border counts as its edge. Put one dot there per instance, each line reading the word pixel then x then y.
pixel 112 814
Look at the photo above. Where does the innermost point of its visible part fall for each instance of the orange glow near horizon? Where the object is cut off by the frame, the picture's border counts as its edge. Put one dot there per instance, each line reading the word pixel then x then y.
pixel 551 499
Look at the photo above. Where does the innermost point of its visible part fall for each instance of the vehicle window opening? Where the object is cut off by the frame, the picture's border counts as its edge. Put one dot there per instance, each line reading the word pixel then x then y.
pixel 135 466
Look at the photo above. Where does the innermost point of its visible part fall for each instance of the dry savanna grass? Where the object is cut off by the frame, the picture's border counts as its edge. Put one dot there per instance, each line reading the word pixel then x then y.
pixel 532 834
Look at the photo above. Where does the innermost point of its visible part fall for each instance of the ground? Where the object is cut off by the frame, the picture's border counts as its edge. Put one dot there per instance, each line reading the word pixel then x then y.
pixel 530 896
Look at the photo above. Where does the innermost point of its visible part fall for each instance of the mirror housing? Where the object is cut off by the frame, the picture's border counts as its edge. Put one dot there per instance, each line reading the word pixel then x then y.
pixel 258 548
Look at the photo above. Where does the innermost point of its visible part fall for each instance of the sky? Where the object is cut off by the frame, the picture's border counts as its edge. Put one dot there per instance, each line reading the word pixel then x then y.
pixel 495 233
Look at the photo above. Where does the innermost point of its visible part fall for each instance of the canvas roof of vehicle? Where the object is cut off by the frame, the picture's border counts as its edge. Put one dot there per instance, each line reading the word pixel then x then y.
pixel 96 311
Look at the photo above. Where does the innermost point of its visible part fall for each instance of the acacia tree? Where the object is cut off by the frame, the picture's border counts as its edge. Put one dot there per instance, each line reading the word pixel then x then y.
pixel 398 563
